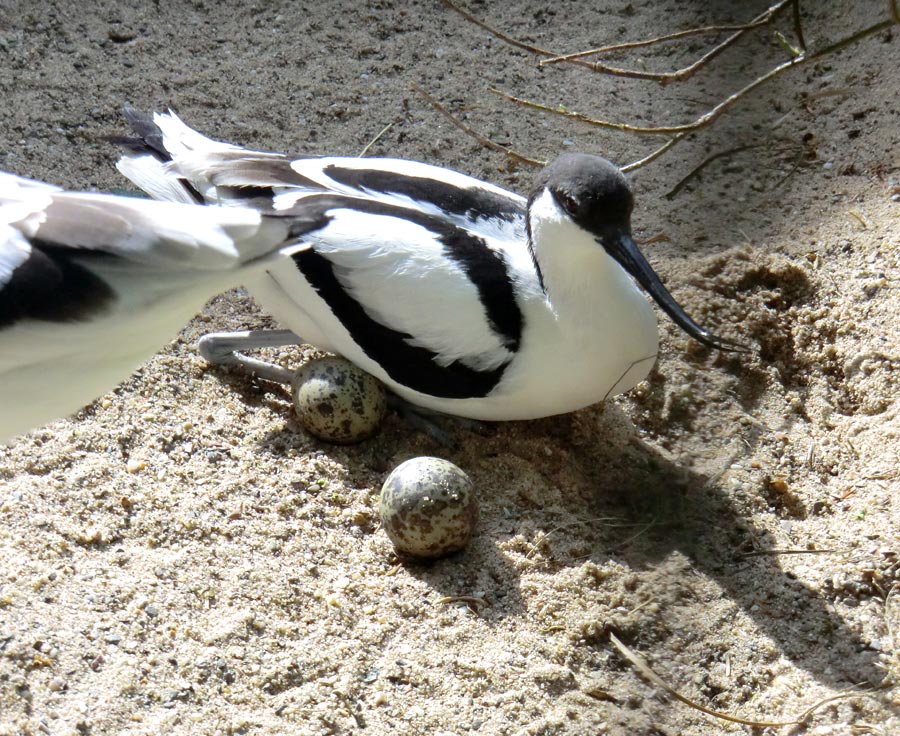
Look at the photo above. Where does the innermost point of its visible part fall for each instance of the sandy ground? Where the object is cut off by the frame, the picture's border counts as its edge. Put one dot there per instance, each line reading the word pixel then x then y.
pixel 181 558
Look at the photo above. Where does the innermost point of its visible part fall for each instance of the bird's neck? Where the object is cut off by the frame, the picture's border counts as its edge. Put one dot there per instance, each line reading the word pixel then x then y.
pixel 575 271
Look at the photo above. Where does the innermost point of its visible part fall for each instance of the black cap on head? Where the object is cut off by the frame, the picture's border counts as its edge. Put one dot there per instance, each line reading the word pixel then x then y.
pixel 596 195
pixel 592 190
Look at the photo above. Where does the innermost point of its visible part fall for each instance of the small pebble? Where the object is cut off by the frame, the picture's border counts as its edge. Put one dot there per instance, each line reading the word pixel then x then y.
pixel 428 508
pixel 338 402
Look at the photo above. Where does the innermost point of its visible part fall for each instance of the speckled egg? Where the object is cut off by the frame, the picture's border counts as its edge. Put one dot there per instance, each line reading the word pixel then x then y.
pixel 338 402
pixel 428 508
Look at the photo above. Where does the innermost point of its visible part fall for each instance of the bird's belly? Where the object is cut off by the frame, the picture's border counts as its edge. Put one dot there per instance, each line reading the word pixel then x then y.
pixel 562 368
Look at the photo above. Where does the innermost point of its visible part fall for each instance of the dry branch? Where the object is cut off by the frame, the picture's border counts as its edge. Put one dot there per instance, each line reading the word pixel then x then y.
pixel 688 71
pixel 661 77
pixel 674 133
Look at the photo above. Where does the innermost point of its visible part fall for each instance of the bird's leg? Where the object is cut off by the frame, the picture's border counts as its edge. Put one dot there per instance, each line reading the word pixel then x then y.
pixel 226 348
pixel 430 421
pixel 222 348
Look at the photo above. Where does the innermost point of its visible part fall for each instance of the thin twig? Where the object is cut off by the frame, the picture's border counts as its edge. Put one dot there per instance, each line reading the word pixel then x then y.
pixel 673 192
pixel 711 116
pixel 689 70
pixel 654 155
pixel 756 23
pixel 583 118
pixel 676 133
pixel 661 77
pixel 555 529
pixel 778 552
pixel 716 112
pixel 794 169
pixel 502 36
pixel 645 670
pixel 467 129
pixel 593 66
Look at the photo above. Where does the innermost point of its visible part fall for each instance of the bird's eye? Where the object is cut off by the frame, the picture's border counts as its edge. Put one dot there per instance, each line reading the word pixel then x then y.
pixel 567 202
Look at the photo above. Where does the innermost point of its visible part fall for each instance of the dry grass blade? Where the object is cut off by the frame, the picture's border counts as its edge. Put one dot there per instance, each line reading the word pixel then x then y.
pixel 647 672
pixel 365 150
pixel 892 614
pixel 472 601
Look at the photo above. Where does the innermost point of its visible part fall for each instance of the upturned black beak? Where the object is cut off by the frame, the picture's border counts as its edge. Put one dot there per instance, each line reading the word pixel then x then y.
pixel 624 250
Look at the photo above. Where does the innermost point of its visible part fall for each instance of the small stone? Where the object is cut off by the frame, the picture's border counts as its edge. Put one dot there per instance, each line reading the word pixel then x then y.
pixel 428 508
pixel 120 35
pixel 338 402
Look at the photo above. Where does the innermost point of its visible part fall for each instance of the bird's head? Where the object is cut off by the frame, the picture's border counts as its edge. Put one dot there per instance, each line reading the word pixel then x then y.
pixel 594 194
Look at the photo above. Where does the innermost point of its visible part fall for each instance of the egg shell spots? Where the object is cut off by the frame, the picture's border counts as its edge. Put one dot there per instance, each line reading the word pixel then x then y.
pixel 428 508
pixel 336 401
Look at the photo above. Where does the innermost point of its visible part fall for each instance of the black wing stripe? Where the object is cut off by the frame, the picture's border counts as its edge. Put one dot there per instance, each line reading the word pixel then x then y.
pixel 473 203
pixel 409 365
pixel 484 267
pixel 50 286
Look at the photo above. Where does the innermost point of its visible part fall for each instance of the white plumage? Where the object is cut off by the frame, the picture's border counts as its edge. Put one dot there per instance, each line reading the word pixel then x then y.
pixel 92 285
pixel 462 297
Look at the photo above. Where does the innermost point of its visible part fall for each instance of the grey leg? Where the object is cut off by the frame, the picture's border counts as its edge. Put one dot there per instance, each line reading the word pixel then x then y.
pixel 222 348
pixel 429 421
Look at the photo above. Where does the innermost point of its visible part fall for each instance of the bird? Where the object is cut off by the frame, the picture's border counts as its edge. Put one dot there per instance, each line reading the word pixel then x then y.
pixel 91 285
pixel 461 297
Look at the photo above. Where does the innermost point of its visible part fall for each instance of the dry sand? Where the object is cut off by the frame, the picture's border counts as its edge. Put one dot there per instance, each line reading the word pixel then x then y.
pixel 181 558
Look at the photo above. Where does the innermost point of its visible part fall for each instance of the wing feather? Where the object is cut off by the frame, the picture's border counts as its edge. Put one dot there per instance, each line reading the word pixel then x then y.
pixel 166 235
pixel 400 274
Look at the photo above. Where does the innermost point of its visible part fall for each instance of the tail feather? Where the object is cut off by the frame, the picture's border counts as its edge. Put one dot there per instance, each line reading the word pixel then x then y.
pixel 171 161
pixel 152 176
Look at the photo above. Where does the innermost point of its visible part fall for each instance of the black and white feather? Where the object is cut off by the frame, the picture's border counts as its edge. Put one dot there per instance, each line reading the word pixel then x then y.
pixel 92 285
pixel 462 297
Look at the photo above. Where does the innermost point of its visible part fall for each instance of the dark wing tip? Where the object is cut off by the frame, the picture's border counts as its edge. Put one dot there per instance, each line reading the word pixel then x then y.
pixel 146 138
